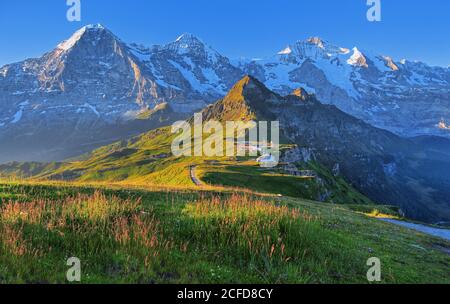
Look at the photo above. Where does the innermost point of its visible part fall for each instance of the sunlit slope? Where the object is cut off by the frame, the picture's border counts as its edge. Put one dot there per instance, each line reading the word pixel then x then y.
pixel 147 160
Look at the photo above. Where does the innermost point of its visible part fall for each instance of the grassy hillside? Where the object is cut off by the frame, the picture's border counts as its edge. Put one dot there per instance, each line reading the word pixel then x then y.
pixel 249 174
pixel 159 236
pixel 132 212
pixel 27 169
pixel 147 160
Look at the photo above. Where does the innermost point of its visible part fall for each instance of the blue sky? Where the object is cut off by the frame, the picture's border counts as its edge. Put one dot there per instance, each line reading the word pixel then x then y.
pixel 412 29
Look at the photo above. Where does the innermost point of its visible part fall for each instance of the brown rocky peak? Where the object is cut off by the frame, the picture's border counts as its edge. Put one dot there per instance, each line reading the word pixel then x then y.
pixel 300 92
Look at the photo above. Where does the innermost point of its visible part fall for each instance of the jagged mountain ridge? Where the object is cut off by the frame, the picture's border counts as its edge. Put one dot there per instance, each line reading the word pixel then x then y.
pixel 90 90
pixel 94 88
pixel 189 65
pixel 407 98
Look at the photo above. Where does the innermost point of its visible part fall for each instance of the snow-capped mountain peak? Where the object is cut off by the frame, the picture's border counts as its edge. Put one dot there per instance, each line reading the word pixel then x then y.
pixel 390 63
pixel 187 43
pixel 93 29
pixel 187 64
pixel 188 39
pixel 317 41
pixel 96 26
pixel 285 51
pixel 95 78
pixel 313 48
pixel 369 86
pixel 69 43
pixel 357 59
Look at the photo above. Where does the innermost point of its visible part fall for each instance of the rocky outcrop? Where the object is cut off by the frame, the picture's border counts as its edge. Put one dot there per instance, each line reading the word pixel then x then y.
pixel 298 154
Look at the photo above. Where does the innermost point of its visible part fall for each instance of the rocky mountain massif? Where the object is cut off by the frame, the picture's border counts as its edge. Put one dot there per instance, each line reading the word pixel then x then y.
pixel 404 97
pixel 409 173
pixel 385 167
pixel 90 90
pixel 94 89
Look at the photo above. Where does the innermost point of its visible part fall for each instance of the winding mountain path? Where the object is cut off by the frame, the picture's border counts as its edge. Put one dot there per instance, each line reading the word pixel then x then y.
pixel 194 178
pixel 438 232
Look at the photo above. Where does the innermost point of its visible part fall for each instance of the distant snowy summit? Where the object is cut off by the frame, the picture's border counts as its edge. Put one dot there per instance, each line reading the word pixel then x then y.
pixel 408 98
pixel 96 81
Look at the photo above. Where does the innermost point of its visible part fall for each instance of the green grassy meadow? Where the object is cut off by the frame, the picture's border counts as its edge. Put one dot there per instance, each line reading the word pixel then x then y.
pixel 132 235
pixel 131 213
